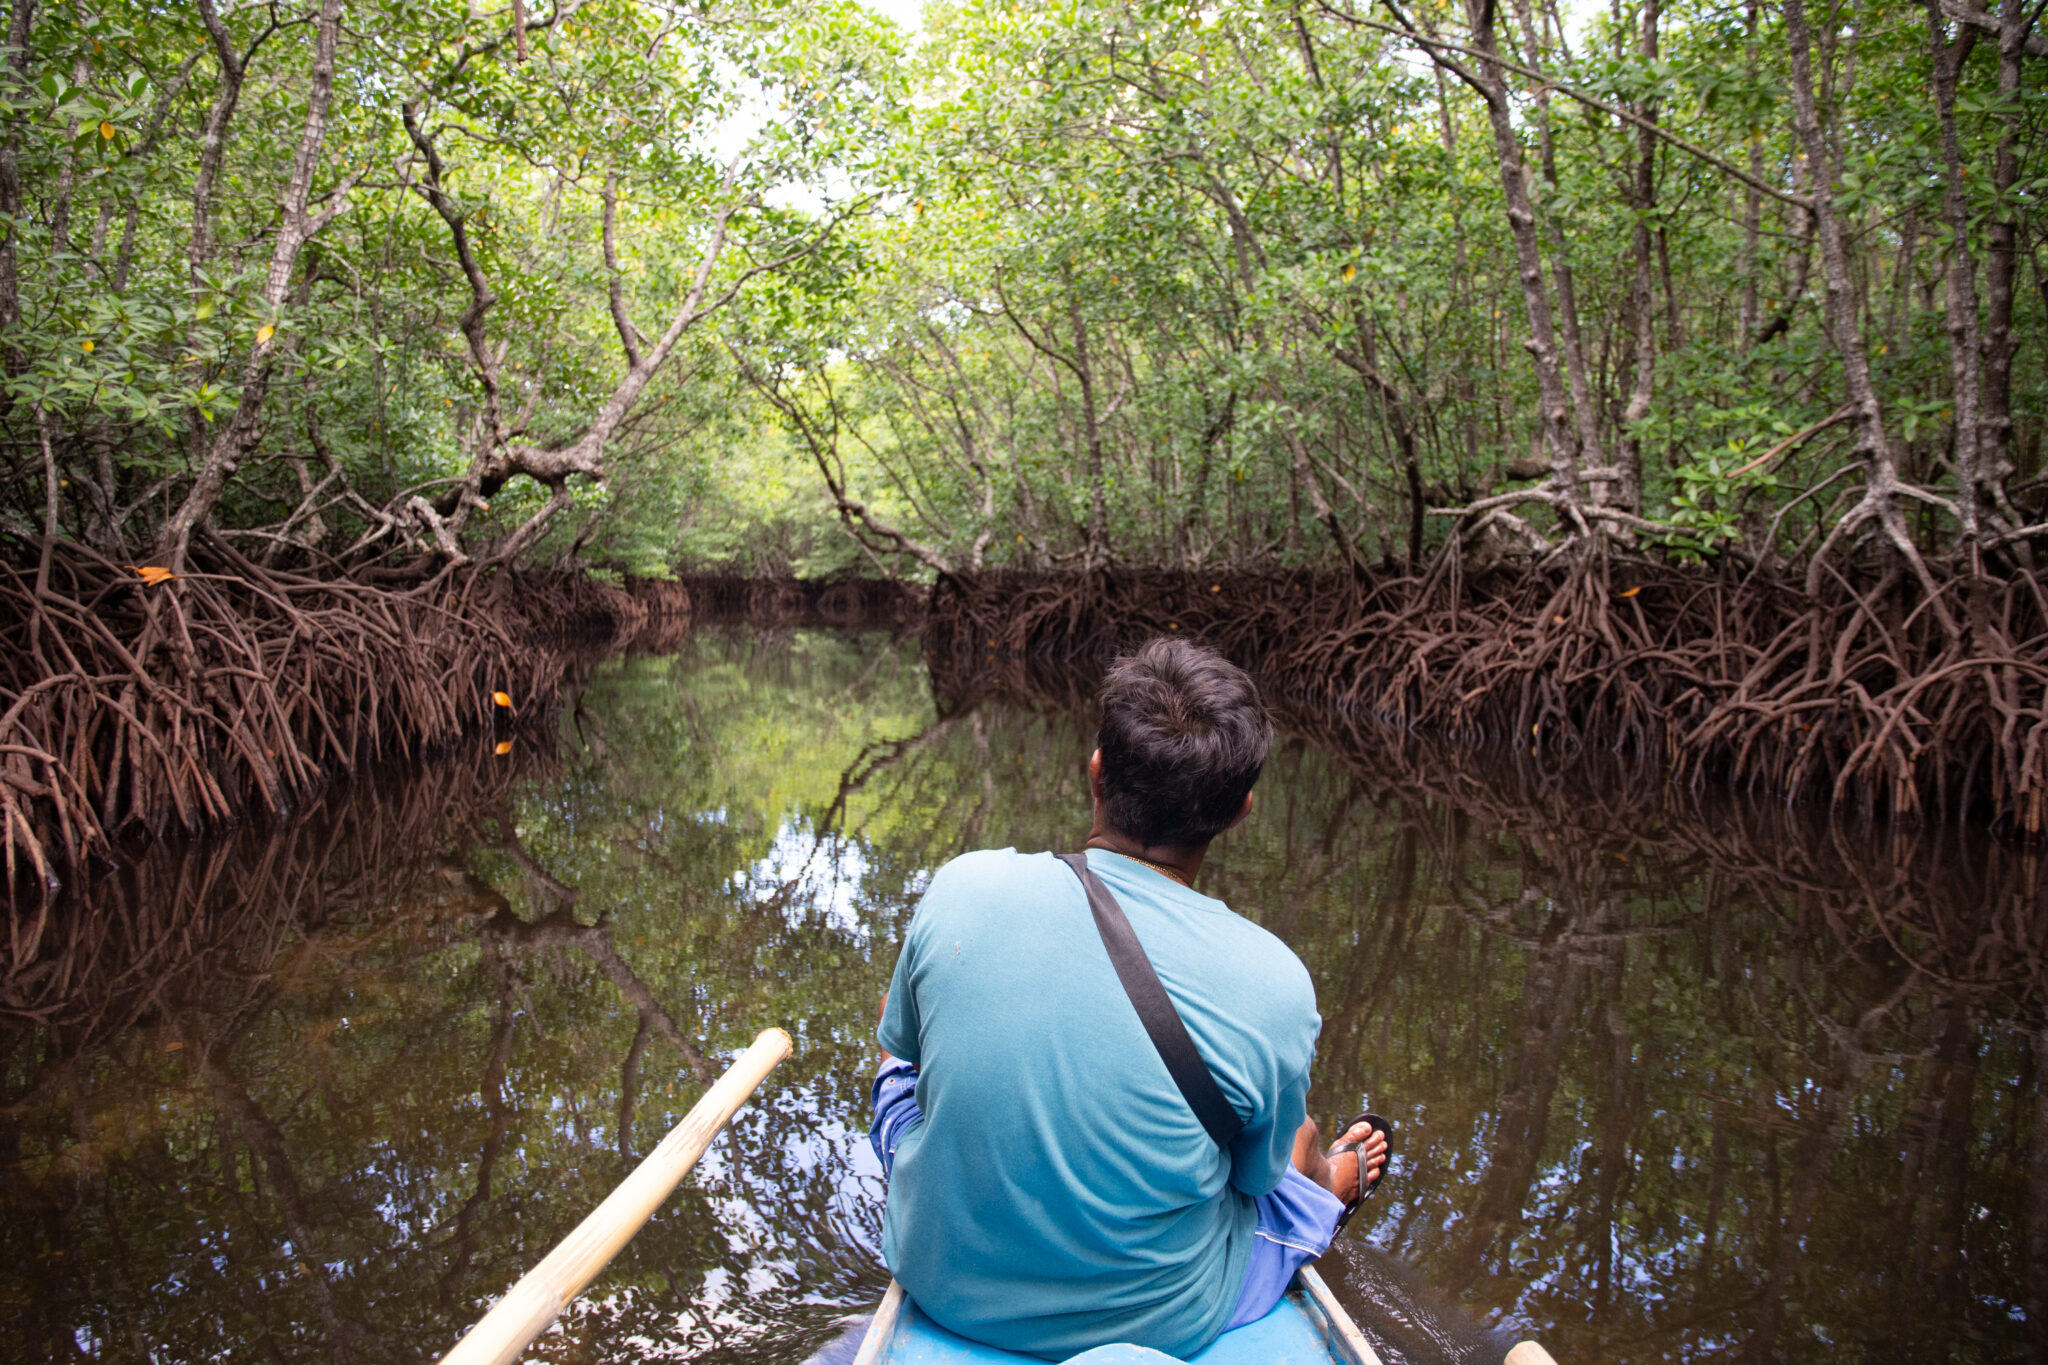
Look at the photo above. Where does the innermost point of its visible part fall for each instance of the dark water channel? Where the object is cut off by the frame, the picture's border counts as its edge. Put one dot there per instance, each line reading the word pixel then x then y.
pixel 1674 1080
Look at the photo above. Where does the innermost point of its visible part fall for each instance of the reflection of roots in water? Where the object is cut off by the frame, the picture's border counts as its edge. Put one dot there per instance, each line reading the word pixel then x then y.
pixel 1962 907
pixel 568 610
pixel 206 925
pixel 204 941
pixel 195 919
pixel 851 602
pixel 207 941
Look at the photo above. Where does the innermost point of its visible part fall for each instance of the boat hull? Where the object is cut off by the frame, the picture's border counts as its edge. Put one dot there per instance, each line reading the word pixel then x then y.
pixel 1307 1327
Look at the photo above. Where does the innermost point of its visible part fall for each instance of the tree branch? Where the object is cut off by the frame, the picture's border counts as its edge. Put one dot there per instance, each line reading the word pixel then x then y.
pixel 1435 47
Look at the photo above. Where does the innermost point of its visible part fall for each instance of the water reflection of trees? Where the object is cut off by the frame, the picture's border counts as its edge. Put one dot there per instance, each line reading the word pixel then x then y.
pixel 127 1014
pixel 1674 1076
pixel 1680 1074
pixel 322 1092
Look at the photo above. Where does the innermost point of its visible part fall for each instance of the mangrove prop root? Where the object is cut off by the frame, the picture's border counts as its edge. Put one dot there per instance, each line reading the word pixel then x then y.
pixel 1862 699
pixel 136 707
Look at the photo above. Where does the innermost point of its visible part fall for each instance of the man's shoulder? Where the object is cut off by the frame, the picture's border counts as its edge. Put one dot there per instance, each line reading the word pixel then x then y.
pixel 1282 977
pixel 983 869
pixel 1258 948
pixel 984 862
pixel 984 879
pixel 1254 977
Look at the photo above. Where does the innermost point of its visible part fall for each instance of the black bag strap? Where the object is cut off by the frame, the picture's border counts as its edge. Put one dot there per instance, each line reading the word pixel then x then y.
pixel 1155 1009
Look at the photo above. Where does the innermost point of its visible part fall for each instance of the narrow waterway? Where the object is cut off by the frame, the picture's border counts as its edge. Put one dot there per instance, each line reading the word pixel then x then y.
pixel 1673 1079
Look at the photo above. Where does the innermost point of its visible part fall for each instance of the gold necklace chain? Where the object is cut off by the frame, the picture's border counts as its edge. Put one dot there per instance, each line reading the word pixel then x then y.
pixel 1162 871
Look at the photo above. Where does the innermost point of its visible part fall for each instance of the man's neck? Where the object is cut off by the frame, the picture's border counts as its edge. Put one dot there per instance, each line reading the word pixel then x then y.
pixel 1182 864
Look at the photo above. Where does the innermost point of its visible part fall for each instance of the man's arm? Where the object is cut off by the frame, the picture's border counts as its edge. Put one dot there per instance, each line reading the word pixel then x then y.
pixel 897 1027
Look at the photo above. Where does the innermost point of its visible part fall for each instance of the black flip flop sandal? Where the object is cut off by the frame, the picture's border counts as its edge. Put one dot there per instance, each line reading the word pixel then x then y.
pixel 1366 1188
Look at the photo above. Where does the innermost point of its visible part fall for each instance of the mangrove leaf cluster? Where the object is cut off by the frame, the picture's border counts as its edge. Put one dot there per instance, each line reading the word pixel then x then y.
pixel 1037 286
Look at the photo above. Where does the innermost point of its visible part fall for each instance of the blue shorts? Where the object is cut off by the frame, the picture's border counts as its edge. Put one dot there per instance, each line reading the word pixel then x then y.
pixel 1296 1221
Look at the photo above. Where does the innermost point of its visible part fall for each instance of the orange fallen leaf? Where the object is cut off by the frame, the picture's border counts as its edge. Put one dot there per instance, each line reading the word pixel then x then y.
pixel 152 574
pixel 1633 591
pixel 1557 620
pixel 174 1047
pixel 502 698
pixel 504 747
pixel 1215 587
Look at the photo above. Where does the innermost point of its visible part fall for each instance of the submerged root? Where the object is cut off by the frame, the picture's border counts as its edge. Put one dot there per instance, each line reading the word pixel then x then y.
pixel 1871 700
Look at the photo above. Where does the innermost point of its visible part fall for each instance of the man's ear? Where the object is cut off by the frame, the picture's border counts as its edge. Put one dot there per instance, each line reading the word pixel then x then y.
pixel 1095 774
pixel 1242 813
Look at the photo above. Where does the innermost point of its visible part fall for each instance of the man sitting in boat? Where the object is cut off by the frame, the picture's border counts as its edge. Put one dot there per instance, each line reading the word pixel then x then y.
pixel 1051 1187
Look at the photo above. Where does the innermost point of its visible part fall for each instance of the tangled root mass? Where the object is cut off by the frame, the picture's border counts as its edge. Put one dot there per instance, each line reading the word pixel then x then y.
pixel 1866 701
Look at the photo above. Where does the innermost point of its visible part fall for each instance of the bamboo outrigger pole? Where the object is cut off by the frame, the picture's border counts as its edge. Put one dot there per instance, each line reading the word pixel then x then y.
pixel 527 1309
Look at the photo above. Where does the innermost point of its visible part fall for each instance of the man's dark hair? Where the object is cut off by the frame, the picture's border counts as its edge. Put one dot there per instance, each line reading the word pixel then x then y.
pixel 1183 738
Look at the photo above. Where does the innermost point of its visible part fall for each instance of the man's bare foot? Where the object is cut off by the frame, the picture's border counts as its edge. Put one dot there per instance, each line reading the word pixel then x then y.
pixel 1341 1174
pixel 1368 1162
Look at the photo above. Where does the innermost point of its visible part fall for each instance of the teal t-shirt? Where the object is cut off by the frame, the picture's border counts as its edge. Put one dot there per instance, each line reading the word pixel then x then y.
pixel 1058 1192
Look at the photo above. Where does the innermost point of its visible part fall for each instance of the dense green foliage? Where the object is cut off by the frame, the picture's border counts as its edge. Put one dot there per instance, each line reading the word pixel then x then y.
pixel 462 306
pixel 1185 284
pixel 1049 285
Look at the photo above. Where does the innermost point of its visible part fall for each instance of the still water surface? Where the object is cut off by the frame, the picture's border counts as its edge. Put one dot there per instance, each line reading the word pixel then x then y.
pixel 1672 1080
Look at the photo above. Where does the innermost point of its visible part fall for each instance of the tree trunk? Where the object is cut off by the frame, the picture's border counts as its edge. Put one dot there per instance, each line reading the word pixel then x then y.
pixel 2001 264
pixel 1303 476
pixel 1365 364
pixel 20 23
pixel 225 452
pixel 67 178
pixel 1630 492
pixel 1465 387
pixel 1752 203
pixel 1960 268
pixel 483 358
pixel 213 135
pixel 1873 448
pixel 1585 414
pixel 1491 85
pixel 1098 497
